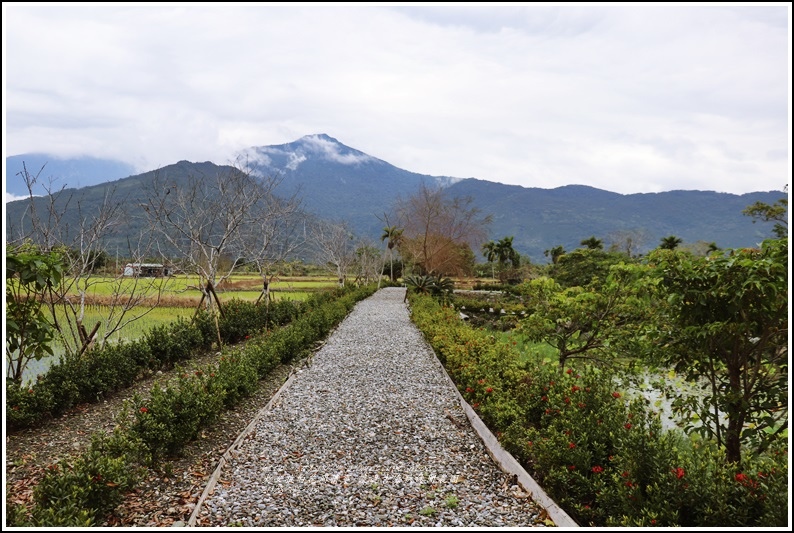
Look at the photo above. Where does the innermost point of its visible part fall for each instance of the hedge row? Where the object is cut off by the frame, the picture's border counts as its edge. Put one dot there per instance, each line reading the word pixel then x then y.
pixel 603 459
pixel 149 430
pixel 88 378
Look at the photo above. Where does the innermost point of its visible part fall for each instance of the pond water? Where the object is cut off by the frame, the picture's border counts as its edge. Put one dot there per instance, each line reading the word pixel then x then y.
pixel 653 386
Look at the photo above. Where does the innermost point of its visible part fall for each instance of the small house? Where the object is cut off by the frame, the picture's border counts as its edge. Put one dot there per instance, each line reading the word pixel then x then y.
pixel 146 270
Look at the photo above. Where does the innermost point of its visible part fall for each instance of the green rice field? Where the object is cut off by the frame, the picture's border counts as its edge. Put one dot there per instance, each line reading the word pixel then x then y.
pixel 179 298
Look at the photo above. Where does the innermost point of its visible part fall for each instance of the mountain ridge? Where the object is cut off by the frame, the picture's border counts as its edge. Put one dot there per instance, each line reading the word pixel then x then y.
pixel 338 182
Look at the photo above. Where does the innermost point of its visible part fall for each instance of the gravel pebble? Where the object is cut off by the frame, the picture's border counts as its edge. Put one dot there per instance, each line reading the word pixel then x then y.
pixel 362 437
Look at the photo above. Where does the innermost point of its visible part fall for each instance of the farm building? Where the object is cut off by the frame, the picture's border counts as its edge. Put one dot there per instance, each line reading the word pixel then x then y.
pixel 146 270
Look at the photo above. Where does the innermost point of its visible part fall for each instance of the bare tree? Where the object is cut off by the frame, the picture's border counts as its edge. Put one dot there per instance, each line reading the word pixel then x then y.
pixel 274 232
pixel 629 241
pixel 333 244
pixel 203 220
pixel 369 262
pixel 78 229
pixel 439 230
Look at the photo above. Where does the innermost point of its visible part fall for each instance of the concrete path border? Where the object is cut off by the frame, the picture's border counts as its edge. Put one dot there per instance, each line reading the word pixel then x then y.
pixel 501 457
pixel 508 463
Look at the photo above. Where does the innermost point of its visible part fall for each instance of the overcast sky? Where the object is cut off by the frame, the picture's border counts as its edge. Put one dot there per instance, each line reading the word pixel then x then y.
pixel 643 98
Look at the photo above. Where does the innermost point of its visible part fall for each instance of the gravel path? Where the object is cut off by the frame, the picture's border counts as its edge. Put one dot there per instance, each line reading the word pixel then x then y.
pixel 370 434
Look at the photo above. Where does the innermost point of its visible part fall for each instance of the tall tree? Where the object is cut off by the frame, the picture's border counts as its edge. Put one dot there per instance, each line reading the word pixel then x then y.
pixel 204 219
pixel 555 253
pixel 392 236
pixel 594 323
pixel 436 227
pixel 503 253
pixel 777 212
pixel 628 241
pixel 273 230
pixel 670 242
pixel 333 244
pixel 489 252
pixel 368 262
pixel 591 243
pixel 729 327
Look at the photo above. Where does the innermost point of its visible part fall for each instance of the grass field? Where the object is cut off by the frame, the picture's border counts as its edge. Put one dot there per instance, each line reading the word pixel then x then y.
pixel 180 298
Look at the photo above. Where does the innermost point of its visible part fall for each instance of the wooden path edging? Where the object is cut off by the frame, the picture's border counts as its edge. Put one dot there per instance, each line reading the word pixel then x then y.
pixel 231 451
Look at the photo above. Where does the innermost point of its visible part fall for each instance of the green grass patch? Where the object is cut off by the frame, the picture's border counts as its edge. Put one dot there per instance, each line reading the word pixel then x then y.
pixel 528 351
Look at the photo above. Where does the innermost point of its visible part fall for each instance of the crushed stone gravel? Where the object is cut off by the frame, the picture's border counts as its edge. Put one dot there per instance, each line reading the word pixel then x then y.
pixel 369 433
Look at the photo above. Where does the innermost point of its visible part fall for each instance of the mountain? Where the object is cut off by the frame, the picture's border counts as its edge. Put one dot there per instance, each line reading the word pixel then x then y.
pixel 341 183
pixel 338 182
pixel 69 173
pixel 540 219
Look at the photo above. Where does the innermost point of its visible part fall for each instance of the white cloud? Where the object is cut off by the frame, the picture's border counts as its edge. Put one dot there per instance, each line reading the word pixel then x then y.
pixel 630 99
pixel 295 160
pixel 7 197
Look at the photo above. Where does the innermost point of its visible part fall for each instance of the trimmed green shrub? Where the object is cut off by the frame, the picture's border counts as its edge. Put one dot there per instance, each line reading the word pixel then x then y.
pixel 604 460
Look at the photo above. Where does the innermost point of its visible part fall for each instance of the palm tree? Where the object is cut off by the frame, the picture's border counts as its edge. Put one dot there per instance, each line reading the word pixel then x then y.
pixel 489 251
pixel 555 253
pixel 592 243
pixel 670 243
pixel 392 235
pixel 504 254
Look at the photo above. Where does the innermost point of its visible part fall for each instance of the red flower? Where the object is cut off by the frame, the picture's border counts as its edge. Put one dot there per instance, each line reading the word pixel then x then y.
pixel 469 390
pixel 144 410
pixel 569 371
pixel 574 388
pixel 567 400
pixel 529 443
pixel 481 382
pixel 616 395
pixel 571 445
pixel 679 472
pixel 653 522
pixel 627 426
pixel 597 469
pixel 475 405
pixel 30 391
pixel 625 473
pixel 581 405
pixel 629 484
pixel 741 478
pixel 572 467
pixel 489 390
pixel 545 398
